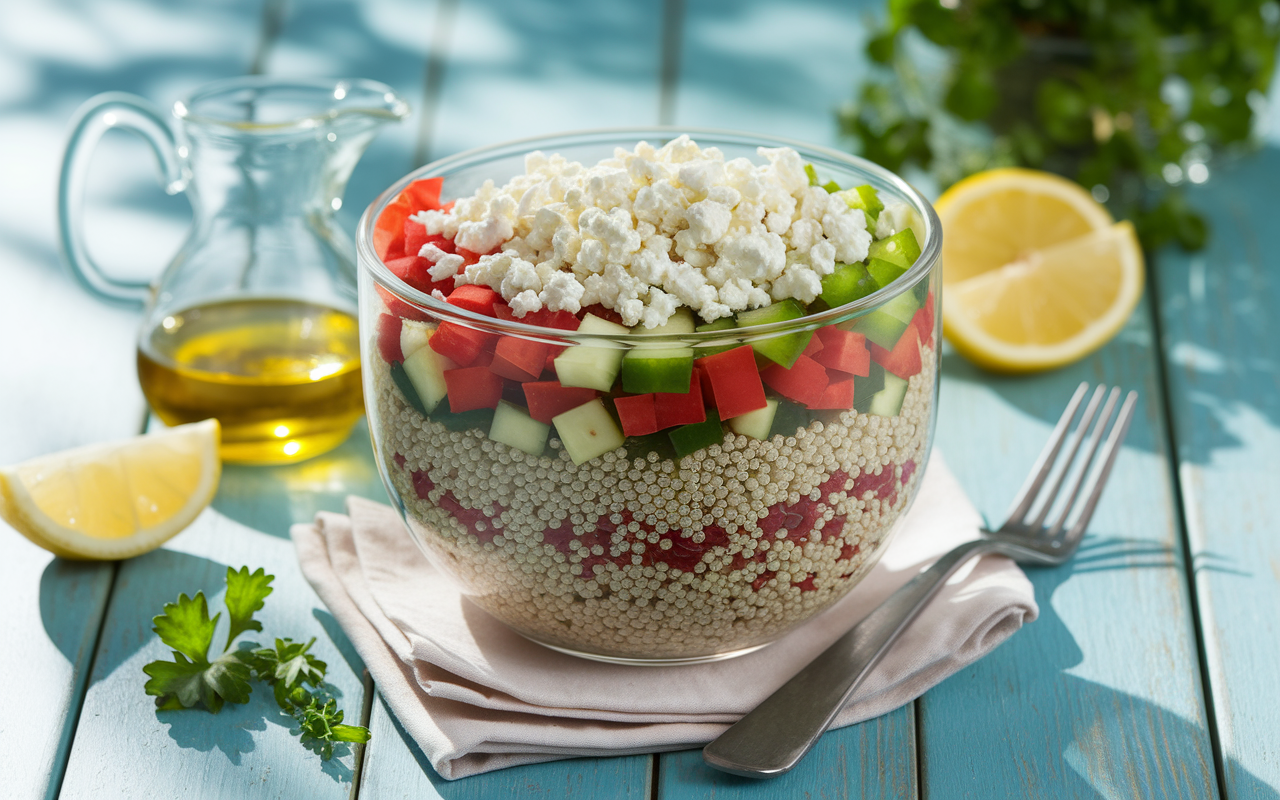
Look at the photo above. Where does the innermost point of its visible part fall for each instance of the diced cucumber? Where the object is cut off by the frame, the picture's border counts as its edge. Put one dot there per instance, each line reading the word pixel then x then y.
pixel 784 349
pixel 593 366
pixel 414 336
pixel 847 283
pixel 901 248
pixel 831 186
pixel 593 324
pixel 667 369
pixel 642 446
pixel 402 382
pixel 812 174
pixel 722 324
pixel 691 438
pixel 477 418
pixel 865 198
pixel 886 323
pixel 884 272
pixel 587 431
pixel 880 327
pixel 864 389
pixel 680 321
pixel 513 426
pixel 902 308
pixel 888 401
pixel 757 424
pixel 791 417
pixel 425 369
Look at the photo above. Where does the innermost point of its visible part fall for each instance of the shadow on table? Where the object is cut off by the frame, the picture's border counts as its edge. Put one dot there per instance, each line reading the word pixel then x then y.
pixel 1116 745
pixel 271 499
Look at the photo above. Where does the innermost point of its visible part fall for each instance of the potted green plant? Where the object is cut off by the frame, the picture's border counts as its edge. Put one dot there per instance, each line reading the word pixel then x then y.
pixel 1132 99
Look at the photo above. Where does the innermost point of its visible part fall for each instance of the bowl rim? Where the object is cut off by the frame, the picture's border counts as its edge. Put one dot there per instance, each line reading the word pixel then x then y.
pixel 368 260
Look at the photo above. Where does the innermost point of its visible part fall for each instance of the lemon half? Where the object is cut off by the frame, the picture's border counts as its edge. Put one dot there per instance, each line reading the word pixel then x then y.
pixel 1036 272
pixel 115 500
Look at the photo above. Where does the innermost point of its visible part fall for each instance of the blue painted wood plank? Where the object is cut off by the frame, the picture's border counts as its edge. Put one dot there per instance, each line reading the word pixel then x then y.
pixel 532 68
pixel 627 778
pixel 769 68
pixel 875 759
pixel 776 68
pixel 1220 335
pixel 69 359
pixel 390 42
pixel 1101 696
pixel 511 71
pixel 124 747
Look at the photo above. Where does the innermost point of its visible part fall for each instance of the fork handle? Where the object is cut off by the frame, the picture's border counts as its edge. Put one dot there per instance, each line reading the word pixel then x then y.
pixel 773 737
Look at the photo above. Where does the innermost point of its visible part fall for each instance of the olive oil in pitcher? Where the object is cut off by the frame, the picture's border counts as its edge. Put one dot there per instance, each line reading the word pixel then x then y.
pixel 281 376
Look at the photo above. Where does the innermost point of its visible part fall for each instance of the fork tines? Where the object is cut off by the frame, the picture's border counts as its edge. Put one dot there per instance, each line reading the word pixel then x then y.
pixel 1087 483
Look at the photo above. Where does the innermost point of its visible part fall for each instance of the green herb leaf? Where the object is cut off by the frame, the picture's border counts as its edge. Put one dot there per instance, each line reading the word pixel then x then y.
pixel 245 595
pixel 190 679
pixel 185 626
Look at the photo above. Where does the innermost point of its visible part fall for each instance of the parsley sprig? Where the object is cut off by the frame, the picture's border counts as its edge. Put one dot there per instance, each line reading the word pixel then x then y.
pixel 295 676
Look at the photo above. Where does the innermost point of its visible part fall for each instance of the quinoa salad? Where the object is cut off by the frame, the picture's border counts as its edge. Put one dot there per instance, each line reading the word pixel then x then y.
pixel 627 497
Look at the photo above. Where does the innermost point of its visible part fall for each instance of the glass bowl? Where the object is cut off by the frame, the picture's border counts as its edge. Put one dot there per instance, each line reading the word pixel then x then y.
pixel 691 544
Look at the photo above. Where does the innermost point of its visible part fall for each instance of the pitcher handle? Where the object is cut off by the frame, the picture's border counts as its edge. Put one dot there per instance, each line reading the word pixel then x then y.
pixel 98 115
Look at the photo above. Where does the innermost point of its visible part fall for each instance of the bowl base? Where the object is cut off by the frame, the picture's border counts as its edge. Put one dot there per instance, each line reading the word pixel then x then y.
pixel 635 661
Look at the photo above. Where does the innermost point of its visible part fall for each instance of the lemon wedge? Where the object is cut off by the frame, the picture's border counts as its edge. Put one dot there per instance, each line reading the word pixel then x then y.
pixel 1036 273
pixel 114 500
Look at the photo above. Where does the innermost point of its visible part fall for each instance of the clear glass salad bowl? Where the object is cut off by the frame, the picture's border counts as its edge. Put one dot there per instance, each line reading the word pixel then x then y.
pixel 583 529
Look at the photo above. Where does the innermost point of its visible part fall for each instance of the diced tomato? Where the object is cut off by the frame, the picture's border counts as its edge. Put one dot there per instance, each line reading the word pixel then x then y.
pixel 388 231
pixel 548 399
pixel 458 343
pixel 413 270
pixel 904 359
pixel 637 414
pixel 804 382
pixel 680 408
pixel 470 388
pixel 389 338
pixel 708 391
pixel 516 358
pixel 603 313
pixel 844 351
pixel 735 381
pixel 923 321
pixel 838 394
pixel 561 320
pixel 423 195
pixel 474 297
pixel 400 308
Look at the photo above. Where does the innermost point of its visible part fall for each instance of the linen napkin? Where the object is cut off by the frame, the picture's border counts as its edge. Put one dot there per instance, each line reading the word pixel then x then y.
pixel 476 696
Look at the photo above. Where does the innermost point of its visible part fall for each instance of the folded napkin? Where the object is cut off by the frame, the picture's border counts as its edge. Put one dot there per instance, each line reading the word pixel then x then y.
pixel 476 696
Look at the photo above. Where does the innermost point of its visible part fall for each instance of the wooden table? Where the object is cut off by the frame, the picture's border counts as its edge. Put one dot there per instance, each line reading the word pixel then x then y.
pixel 1152 671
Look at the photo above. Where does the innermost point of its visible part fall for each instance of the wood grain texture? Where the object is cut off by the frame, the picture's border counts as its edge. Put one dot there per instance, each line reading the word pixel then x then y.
pixel 515 70
pixel 1100 697
pixel 876 759
pixel 1218 312
pixel 68 359
pixel 124 747
pixel 777 68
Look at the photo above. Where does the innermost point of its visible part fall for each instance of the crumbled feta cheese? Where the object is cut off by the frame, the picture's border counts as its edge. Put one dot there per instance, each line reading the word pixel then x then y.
pixel 651 229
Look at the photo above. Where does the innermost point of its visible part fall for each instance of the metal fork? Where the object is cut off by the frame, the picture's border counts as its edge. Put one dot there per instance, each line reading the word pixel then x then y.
pixel 773 737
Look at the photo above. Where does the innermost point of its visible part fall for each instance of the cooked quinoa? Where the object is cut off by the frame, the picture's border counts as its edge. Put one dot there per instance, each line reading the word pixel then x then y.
pixel 651 558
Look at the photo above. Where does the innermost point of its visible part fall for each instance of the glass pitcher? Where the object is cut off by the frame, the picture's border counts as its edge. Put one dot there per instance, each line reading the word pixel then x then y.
pixel 254 320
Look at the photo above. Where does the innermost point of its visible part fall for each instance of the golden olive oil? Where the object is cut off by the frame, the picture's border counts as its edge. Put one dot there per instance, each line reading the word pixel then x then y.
pixel 281 376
